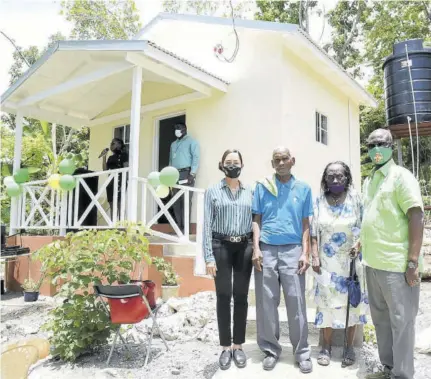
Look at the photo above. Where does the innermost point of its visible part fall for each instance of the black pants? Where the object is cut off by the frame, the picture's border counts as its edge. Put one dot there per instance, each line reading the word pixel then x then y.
pixel 178 206
pixel 236 258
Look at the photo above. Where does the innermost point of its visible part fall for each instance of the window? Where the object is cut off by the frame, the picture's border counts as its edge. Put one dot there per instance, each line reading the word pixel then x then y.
pixel 321 128
pixel 123 132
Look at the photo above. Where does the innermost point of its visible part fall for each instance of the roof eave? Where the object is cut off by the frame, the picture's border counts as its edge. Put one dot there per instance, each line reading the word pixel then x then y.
pixel 361 94
pixel 213 20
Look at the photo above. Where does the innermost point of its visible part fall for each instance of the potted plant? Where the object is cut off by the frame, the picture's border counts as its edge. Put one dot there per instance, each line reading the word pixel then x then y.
pixel 170 286
pixel 31 289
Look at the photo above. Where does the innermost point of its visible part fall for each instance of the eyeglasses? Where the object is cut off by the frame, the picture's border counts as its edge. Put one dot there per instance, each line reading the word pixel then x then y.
pixel 378 144
pixel 331 178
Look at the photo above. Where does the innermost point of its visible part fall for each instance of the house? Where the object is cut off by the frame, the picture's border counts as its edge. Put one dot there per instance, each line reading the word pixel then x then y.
pixel 281 89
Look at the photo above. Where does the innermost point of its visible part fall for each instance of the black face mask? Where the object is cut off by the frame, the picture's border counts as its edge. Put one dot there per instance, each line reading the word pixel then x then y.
pixel 232 171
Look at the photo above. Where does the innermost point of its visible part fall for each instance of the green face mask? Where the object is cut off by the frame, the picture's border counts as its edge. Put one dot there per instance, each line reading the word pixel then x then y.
pixel 380 155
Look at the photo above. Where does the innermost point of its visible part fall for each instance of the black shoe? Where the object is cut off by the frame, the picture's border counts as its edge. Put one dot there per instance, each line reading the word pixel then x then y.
pixel 225 359
pixel 239 358
pixel 269 362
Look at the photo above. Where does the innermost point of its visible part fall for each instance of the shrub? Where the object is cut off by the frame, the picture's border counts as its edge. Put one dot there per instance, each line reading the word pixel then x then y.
pixel 76 264
pixel 370 334
pixel 169 276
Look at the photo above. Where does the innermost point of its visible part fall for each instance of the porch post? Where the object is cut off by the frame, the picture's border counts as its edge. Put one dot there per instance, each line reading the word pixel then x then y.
pixel 135 117
pixel 16 166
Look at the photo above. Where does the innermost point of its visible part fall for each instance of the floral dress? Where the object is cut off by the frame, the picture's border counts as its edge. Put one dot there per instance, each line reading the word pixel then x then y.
pixel 337 229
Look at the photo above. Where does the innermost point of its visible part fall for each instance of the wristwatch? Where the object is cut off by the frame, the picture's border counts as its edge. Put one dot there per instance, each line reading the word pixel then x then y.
pixel 411 264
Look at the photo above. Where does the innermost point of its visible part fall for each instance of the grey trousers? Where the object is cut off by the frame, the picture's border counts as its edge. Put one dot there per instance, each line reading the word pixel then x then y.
pixel 394 306
pixel 280 264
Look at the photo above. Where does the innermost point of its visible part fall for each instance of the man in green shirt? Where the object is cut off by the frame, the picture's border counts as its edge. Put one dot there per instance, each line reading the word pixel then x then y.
pixel 391 239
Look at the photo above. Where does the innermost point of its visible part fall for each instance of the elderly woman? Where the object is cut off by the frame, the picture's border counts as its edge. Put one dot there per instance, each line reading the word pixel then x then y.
pixel 335 234
pixel 228 253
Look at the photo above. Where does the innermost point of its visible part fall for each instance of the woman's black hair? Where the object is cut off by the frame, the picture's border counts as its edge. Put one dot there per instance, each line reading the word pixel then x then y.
pixel 225 154
pixel 347 173
pixel 120 141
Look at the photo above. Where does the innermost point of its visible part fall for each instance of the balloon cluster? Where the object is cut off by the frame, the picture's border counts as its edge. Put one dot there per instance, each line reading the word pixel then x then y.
pixel 65 181
pixel 13 183
pixel 164 179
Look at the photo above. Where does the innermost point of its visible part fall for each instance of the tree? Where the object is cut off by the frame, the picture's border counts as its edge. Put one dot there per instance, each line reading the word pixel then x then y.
pixel 109 19
pixel 290 12
pixel 207 7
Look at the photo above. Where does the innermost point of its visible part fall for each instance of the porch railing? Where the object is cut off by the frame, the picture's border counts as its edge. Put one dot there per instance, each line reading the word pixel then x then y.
pixel 41 207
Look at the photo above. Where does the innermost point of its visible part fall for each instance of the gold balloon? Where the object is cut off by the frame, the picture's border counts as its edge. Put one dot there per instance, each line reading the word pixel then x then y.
pixel 54 181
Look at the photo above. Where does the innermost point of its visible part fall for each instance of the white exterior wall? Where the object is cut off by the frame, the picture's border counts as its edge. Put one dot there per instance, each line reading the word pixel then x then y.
pixel 271 101
pixel 304 93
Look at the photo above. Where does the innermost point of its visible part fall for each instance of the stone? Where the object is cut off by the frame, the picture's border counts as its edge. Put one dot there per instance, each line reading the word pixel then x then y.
pixel 30 329
pixel 427 267
pixel 423 341
pixel 179 304
pixel 175 372
pixel 172 326
pixel 109 372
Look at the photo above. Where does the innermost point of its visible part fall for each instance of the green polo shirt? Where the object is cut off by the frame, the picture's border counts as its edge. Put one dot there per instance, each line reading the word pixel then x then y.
pixel 389 193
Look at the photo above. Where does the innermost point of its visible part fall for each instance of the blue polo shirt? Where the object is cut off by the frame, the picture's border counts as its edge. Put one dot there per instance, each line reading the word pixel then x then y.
pixel 282 215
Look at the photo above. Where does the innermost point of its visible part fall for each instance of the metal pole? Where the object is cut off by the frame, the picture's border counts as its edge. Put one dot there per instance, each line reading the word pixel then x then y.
pixel 400 152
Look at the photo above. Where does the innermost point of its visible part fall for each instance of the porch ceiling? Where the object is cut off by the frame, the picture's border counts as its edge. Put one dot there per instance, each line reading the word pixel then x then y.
pixel 87 82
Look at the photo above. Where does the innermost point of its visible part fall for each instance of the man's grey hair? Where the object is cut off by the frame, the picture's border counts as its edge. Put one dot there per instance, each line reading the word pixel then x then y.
pixel 281 149
pixel 382 133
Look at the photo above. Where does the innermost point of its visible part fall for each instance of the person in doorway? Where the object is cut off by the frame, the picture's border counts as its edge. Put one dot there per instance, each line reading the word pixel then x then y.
pixel 282 206
pixel 391 240
pixel 334 235
pixel 228 251
pixel 118 159
pixel 184 155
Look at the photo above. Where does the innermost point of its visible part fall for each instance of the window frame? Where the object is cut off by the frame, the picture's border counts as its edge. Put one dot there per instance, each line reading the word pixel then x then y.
pixel 321 133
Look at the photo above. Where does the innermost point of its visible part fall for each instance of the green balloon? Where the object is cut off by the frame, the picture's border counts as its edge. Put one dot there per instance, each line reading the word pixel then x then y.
pixel 67 167
pixel 169 176
pixel 21 176
pixel 154 178
pixel 13 189
pixel 162 191
pixel 67 182
pixel 8 180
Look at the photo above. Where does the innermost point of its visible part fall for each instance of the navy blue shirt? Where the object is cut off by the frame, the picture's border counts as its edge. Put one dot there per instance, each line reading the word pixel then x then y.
pixel 282 215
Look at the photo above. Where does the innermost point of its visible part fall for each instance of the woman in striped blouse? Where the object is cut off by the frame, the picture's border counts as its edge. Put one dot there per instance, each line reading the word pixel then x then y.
pixel 228 249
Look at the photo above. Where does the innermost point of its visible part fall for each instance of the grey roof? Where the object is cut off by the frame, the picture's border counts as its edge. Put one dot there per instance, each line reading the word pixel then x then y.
pixel 98 45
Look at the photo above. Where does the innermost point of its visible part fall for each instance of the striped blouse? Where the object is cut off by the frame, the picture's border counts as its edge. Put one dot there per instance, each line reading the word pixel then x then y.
pixel 226 213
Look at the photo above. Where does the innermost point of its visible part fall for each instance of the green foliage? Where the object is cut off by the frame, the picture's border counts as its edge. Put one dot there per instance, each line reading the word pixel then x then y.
pixel 110 19
pixel 206 7
pixel 77 263
pixel 290 12
pixel 30 285
pixel 169 276
pixel 370 334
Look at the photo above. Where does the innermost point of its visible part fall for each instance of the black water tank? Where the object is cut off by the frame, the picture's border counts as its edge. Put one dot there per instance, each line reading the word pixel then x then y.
pixel 398 90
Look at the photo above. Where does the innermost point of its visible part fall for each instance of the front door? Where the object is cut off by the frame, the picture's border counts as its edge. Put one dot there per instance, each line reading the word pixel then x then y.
pixel 166 137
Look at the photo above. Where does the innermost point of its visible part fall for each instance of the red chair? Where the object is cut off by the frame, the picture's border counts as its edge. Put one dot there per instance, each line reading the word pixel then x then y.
pixel 129 304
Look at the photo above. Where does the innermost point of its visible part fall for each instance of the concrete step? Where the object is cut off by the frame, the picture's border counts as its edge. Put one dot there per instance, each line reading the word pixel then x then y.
pixel 314 334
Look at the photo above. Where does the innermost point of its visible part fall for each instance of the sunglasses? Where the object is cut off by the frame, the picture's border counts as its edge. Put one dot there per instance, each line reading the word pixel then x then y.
pixel 378 144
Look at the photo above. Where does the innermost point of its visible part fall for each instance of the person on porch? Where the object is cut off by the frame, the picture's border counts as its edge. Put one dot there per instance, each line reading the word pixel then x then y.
pixel 228 249
pixel 184 156
pixel 282 206
pixel 118 159
pixel 391 240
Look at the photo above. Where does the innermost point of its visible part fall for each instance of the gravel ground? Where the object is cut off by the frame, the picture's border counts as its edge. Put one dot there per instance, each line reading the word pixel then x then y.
pixel 190 328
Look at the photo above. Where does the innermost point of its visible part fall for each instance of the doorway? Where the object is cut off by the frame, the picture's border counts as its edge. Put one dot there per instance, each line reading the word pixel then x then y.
pixel 166 135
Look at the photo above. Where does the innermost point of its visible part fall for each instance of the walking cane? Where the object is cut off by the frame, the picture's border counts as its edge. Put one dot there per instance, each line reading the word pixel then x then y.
pixel 351 276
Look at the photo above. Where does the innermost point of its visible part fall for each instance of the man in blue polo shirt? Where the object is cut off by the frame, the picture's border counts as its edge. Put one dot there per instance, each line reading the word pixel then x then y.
pixel 281 209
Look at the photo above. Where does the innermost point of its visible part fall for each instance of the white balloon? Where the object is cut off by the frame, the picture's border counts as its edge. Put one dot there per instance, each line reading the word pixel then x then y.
pixel 8 180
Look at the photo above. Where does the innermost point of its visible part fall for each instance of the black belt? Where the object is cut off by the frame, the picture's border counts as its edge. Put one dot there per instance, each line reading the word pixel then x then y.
pixel 233 239
pixel 184 169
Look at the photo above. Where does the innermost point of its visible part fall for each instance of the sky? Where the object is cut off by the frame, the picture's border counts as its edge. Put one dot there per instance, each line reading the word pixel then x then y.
pixel 31 22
